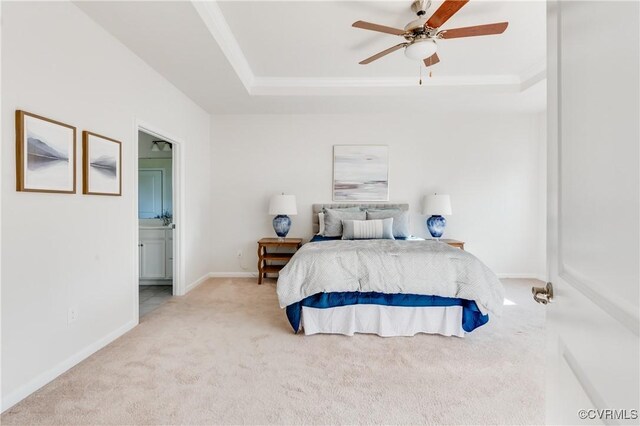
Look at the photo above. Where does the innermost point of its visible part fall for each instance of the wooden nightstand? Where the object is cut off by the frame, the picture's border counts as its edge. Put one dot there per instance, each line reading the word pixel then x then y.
pixel 453 243
pixel 267 257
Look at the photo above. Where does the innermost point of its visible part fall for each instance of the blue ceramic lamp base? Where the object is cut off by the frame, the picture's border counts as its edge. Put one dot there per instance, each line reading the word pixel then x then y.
pixel 281 224
pixel 436 225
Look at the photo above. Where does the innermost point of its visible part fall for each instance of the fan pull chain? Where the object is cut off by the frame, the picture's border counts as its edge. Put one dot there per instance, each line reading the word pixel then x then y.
pixel 420 74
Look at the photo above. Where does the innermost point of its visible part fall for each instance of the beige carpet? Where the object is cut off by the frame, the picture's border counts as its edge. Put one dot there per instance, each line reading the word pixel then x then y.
pixel 226 354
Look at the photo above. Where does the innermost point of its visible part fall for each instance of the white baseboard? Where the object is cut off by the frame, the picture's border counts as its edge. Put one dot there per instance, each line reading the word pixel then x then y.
pixel 530 276
pixel 197 282
pixel 243 274
pixel 205 277
pixel 30 387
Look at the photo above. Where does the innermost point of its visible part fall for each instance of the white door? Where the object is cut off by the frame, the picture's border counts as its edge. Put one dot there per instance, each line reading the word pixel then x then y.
pixel 593 131
pixel 149 193
pixel 152 254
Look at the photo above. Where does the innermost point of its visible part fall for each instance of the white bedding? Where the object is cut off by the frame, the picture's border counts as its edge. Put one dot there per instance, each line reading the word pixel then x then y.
pixel 385 321
pixel 425 267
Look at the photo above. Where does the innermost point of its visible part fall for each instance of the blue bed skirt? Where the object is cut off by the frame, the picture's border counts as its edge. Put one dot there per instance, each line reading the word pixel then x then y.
pixel 472 318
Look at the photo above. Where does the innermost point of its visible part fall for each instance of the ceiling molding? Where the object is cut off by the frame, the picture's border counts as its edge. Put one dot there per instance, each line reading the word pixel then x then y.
pixel 219 28
pixel 217 25
pixel 275 86
pixel 533 75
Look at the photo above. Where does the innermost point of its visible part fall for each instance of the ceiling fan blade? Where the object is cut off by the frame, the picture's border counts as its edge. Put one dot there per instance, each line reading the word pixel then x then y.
pixel 444 12
pixel 478 30
pixel 431 60
pixel 383 53
pixel 375 27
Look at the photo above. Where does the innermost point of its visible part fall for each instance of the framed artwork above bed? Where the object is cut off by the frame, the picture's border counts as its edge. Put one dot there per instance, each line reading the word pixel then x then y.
pixel 360 173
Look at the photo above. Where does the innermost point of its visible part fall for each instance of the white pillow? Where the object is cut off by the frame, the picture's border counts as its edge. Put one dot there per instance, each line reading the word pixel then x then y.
pixel 367 229
pixel 321 222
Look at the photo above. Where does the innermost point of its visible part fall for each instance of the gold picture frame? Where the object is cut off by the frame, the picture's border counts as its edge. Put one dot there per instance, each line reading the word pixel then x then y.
pixel 101 165
pixel 45 154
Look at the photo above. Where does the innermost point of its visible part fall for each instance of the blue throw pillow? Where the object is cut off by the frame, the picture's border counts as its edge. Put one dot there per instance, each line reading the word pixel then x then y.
pixel 400 220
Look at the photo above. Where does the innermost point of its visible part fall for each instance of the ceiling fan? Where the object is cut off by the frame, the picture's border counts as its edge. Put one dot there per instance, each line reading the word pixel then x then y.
pixel 421 34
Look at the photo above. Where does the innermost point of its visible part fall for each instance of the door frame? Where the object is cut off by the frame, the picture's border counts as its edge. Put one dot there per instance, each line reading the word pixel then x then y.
pixel 177 172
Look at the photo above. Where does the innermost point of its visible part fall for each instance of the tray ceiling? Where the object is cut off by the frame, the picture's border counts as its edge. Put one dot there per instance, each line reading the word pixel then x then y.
pixel 315 39
pixel 302 56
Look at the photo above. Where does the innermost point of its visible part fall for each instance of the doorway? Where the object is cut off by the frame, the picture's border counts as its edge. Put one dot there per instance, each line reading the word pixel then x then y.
pixel 156 228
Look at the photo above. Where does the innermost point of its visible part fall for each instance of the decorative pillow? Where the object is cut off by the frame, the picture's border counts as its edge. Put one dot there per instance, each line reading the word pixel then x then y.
pixel 400 220
pixel 333 220
pixel 367 229
pixel 344 209
pixel 320 223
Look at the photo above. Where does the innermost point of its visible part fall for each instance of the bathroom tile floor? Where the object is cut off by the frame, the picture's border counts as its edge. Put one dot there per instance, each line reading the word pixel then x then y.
pixel 152 296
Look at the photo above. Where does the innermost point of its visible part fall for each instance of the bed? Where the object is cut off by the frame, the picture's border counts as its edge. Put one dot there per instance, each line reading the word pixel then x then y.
pixel 388 287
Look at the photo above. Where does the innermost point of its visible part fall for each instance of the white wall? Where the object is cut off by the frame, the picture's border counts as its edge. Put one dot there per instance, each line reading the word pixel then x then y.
pixel 61 251
pixel 492 165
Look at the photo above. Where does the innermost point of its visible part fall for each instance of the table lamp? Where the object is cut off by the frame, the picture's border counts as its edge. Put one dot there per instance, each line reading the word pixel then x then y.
pixel 281 206
pixel 436 205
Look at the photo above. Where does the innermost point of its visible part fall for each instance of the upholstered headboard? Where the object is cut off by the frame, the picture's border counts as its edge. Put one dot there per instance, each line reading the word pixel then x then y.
pixel 317 208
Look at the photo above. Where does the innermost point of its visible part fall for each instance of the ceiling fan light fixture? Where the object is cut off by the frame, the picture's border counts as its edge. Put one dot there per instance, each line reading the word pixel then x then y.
pixel 420 35
pixel 420 49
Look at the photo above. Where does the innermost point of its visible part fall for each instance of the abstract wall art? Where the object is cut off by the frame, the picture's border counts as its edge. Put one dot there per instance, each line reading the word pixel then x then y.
pixel 45 154
pixel 101 165
pixel 360 173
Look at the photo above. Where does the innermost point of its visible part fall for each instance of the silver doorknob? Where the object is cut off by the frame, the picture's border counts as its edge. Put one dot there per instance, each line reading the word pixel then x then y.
pixel 544 294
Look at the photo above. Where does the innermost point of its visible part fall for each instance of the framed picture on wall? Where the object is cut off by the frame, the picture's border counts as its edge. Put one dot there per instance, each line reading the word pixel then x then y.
pixel 360 173
pixel 45 154
pixel 101 165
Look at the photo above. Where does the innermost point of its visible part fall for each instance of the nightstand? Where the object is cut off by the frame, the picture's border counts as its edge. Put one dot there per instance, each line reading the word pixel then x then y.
pixel 453 243
pixel 268 253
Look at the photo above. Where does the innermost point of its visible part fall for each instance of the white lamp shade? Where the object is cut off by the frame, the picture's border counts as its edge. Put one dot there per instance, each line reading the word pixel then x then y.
pixel 420 50
pixel 283 204
pixel 436 204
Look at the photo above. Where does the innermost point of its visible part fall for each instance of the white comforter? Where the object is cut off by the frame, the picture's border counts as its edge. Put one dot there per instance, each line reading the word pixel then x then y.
pixel 425 267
